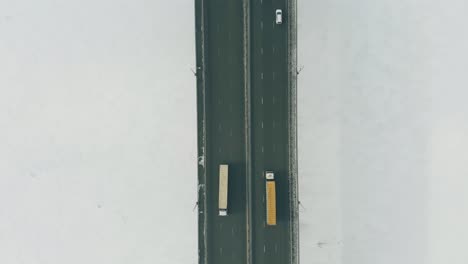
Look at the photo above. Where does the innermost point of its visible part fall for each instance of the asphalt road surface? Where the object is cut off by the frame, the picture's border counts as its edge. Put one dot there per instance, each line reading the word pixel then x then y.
pixel 244 120
pixel 269 76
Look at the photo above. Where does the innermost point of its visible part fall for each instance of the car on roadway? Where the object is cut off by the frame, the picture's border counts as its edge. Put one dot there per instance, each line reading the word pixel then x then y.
pixel 279 16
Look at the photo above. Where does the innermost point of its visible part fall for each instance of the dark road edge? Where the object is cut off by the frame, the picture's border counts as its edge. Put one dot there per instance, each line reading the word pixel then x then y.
pixel 293 162
pixel 200 51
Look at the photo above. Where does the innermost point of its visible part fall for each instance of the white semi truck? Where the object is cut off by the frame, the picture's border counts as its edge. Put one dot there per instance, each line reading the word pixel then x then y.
pixel 223 189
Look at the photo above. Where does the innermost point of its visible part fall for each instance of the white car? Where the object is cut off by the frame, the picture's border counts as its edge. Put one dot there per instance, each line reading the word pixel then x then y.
pixel 279 16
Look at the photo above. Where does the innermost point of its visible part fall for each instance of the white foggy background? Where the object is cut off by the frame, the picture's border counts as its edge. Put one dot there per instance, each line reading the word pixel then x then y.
pixel 383 131
pixel 98 132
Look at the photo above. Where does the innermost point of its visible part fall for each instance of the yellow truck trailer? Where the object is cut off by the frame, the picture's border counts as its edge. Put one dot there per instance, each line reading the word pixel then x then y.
pixel 223 189
pixel 270 198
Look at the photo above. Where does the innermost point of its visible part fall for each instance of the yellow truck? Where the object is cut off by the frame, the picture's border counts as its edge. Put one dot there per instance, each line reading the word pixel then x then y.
pixel 223 189
pixel 270 198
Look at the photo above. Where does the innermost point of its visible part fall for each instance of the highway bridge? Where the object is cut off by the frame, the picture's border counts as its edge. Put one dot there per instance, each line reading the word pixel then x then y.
pixel 246 104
